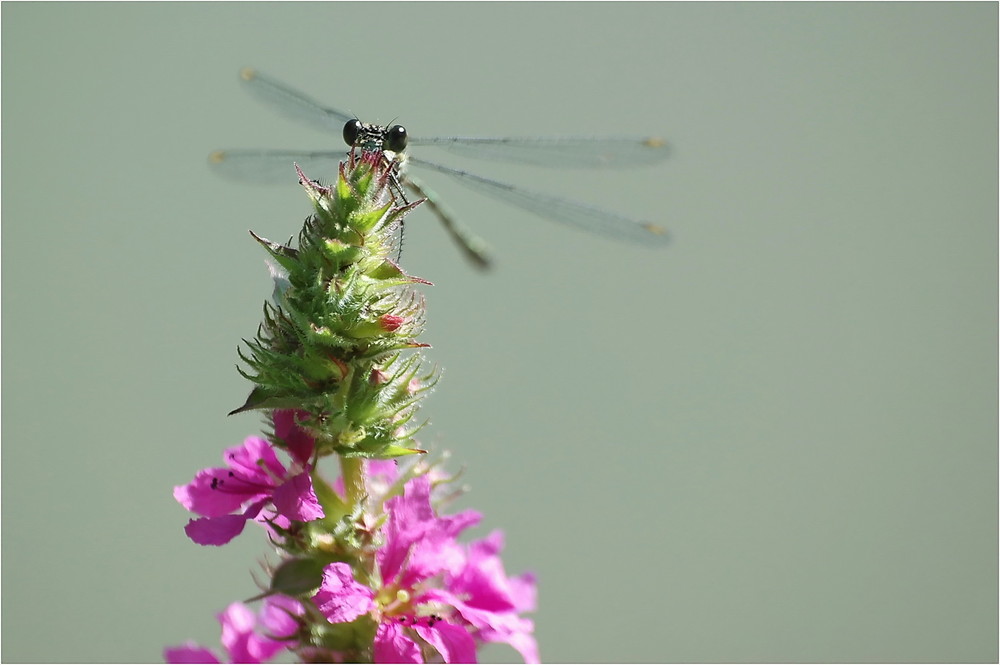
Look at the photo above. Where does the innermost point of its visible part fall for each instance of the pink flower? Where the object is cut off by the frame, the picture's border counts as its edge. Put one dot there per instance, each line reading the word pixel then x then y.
pixel 340 598
pixel 253 478
pixel 247 638
pixel 298 442
pixel 450 595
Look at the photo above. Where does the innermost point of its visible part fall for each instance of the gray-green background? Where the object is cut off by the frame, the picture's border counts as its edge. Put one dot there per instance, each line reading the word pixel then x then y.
pixel 774 440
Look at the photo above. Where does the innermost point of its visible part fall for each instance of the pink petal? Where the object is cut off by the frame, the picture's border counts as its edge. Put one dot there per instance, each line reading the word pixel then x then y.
pixel 238 622
pixel 453 642
pixel 258 649
pixel 506 627
pixel 277 615
pixel 382 467
pixel 431 556
pixel 409 518
pixel 189 653
pixel 393 646
pixel 298 442
pixel 296 500
pixel 340 598
pixel 250 473
pixel 241 639
pixel 215 530
pixel 204 495
pixel 524 590
pixel 411 523
pixel 491 545
pixel 485 585
pixel 526 646
pixel 254 461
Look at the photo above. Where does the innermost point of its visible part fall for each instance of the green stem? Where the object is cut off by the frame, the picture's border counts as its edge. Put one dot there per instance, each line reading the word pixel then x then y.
pixel 353 471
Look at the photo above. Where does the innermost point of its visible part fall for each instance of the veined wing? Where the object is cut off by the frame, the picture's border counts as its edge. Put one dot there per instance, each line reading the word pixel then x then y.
pixel 292 103
pixel 571 152
pixel 557 209
pixel 275 166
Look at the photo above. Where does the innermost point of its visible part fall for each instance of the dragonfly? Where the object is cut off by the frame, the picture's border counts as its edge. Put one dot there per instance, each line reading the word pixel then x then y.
pixel 271 166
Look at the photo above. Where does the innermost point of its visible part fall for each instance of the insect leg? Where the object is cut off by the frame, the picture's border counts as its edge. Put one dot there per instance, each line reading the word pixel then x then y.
pixel 473 247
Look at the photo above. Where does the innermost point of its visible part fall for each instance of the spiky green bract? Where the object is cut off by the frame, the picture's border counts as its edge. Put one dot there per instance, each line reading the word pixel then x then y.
pixel 332 343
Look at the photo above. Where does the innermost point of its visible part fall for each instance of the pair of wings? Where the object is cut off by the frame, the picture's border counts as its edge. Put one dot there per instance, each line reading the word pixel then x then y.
pixel 268 166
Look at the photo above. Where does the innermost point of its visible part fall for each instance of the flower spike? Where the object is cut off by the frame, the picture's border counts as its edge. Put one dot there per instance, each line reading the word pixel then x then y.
pixel 370 568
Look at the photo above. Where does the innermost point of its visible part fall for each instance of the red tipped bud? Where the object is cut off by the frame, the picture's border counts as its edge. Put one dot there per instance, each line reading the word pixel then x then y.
pixel 391 322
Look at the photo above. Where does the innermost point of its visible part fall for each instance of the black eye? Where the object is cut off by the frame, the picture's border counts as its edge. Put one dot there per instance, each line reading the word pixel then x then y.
pixel 395 138
pixel 351 130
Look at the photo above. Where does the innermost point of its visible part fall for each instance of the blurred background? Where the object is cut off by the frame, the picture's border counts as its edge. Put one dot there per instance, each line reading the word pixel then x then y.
pixel 773 440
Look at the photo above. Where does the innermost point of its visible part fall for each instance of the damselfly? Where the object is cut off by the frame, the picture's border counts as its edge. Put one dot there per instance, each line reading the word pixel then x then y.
pixel 587 152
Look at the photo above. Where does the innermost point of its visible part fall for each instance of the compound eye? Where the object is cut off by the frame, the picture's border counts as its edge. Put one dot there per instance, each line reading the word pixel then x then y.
pixel 351 131
pixel 395 138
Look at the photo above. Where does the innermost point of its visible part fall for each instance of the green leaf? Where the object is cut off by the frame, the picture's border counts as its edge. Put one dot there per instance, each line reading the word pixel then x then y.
pixel 286 257
pixel 295 577
pixel 261 398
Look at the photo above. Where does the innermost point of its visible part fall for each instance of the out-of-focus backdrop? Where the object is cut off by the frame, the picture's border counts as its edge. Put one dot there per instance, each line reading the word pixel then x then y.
pixel 773 440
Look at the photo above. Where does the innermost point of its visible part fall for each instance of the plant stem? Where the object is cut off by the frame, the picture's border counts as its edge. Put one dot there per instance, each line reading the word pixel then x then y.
pixel 353 471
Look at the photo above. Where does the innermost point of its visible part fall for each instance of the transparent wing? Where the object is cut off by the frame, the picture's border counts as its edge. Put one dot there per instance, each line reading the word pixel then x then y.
pixel 568 212
pixel 292 103
pixel 271 166
pixel 579 152
pixel 275 166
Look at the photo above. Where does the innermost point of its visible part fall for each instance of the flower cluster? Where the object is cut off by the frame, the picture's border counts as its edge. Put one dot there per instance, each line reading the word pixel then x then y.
pixel 370 568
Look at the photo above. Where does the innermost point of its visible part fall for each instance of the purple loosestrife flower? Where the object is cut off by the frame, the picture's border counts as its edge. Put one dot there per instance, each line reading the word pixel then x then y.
pixel 247 638
pixel 366 570
pixel 227 497
pixel 429 586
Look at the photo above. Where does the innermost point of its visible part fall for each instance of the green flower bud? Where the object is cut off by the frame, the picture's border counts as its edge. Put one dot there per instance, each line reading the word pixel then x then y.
pixel 342 312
